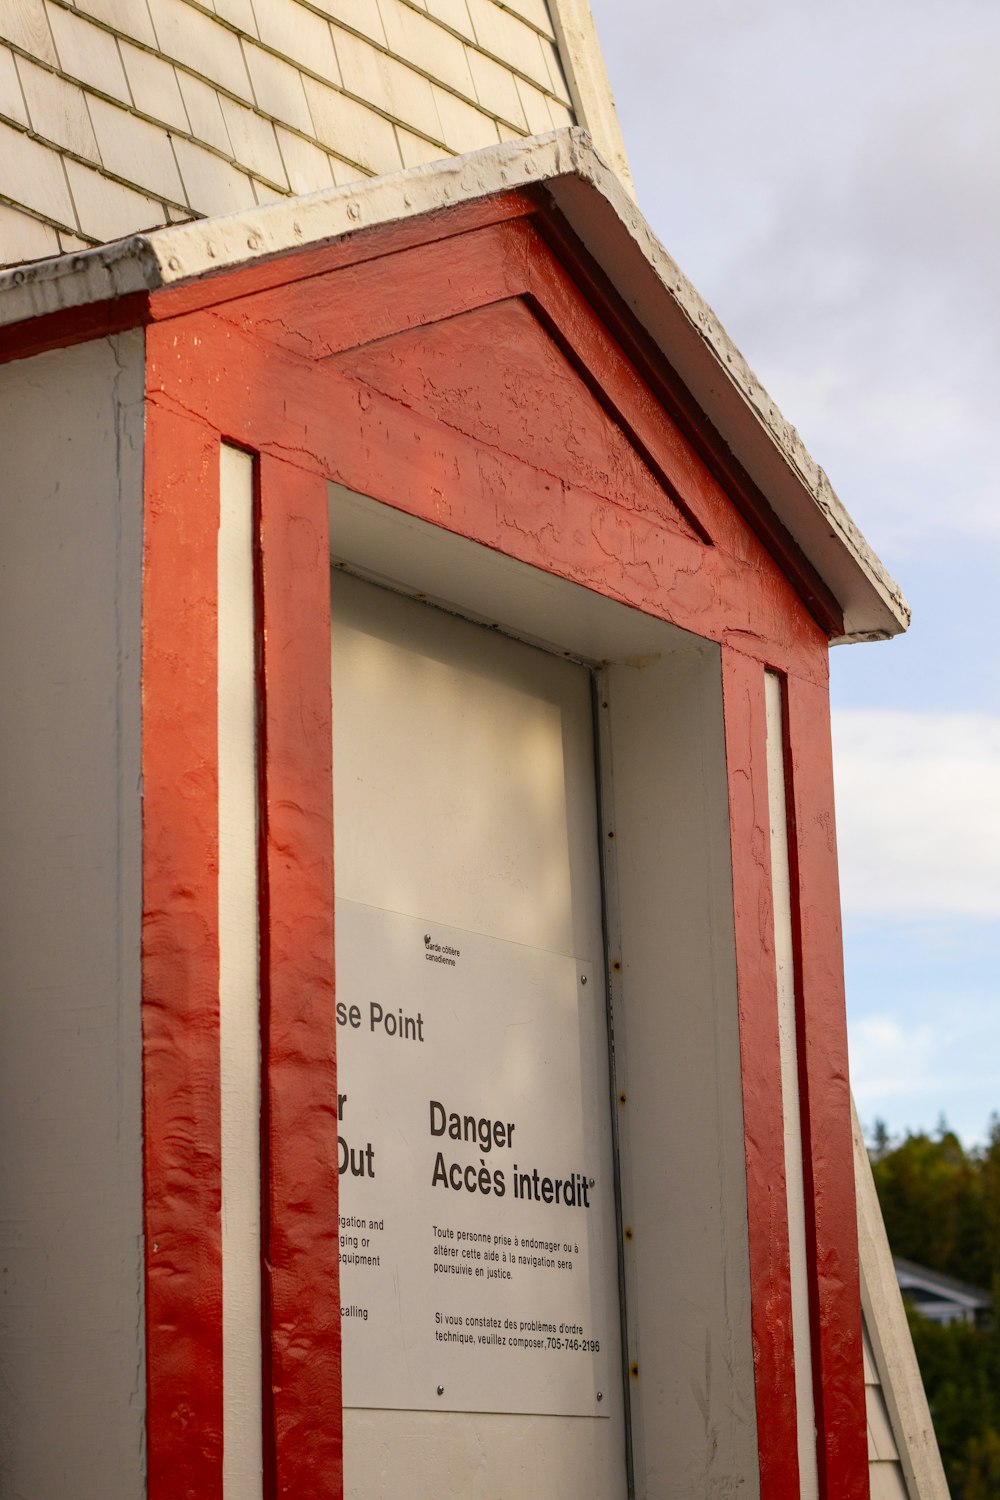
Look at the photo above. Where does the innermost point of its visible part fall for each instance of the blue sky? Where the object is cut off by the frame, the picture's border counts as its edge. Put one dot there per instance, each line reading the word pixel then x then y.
pixel 829 178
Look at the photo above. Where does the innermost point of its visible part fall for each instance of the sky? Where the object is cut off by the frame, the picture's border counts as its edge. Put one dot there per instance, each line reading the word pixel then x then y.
pixel 829 179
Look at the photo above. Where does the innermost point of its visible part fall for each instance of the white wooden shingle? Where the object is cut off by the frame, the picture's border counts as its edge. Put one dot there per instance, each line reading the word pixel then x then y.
pixel 188 36
pixel 211 185
pixel 351 129
pixel 253 140
pixel 12 105
pixel 298 34
pixel 887 1482
pixel 57 110
pixel 454 14
pixel 238 13
pixel 24 23
pixel 879 1429
pixel 128 17
pixel 23 237
pixel 496 88
pixel 535 12
pixel 557 77
pixel 415 149
pixel 264 193
pixel 361 16
pixel 462 122
pixel 507 37
pixel 204 112
pixel 33 177
pixel 307 167
pixel 106 210
pixel 416 39
pixel 535 106
pixel 345 172
pixel 277 86
pixel 155 90
pixel 373 75
pixel 135 150
pixel 88 53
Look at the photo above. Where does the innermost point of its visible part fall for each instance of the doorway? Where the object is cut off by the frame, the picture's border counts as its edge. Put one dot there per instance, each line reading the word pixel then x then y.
pixel 479 1261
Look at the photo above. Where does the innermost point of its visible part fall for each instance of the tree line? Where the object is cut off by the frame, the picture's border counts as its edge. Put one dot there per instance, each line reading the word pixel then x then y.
pixel 941 1206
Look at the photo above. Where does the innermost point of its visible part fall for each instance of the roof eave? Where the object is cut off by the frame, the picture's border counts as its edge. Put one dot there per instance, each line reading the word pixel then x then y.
pixel 607 222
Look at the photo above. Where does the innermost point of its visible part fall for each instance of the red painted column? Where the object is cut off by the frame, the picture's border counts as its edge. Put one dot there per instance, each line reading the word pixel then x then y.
pixel 299 1159
pixel 763 1123
pixel 828 1155
pixel 180 960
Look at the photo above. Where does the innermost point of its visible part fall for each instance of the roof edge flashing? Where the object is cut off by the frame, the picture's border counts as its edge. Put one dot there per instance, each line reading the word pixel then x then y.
pixel 39 287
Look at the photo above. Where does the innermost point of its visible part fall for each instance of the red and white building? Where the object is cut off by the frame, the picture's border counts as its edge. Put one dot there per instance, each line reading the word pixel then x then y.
pixel 422 552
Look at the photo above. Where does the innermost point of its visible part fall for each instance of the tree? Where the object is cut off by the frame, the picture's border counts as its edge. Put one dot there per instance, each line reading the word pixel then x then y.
pixel 941 1206
pixel 934 1197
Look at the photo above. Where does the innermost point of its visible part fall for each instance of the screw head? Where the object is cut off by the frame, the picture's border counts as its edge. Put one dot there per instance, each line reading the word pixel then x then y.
pixel 440 1390
pixel 600 1395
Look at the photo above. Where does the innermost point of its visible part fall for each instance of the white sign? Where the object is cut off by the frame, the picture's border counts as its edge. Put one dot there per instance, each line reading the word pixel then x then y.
pixel 473 1190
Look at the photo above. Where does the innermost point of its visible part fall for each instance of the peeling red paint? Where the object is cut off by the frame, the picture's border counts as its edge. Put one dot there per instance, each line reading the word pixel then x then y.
pixel 825 1091
pixel 180 962
pixel 760 1059
pixel 301 1228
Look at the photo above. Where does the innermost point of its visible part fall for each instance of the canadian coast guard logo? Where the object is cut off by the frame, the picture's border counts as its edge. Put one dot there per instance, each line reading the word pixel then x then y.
pixel 440 953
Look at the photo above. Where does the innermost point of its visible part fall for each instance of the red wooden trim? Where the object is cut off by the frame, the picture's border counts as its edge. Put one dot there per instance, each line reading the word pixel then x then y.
pixel 376 299
pixel 828 1152
pixel 353 248
pixel 73 325
pixel 670 390
pixel 340 427
pixel 467 252
pixel 760 1055
pixel 603 364
pixel 300 1181
pixel 180 961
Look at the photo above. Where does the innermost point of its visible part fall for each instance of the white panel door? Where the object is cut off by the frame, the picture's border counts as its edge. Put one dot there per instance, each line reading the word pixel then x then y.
pixel 478 1241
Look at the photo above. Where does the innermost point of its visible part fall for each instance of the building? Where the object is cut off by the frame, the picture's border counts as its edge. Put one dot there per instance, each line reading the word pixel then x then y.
pixel 563 1101
pixel 942 1299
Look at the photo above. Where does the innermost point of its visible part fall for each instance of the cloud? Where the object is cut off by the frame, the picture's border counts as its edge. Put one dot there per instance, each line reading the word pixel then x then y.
pixel 913 1065
pixel 839 206
pixel 891 1060
pixel 918 813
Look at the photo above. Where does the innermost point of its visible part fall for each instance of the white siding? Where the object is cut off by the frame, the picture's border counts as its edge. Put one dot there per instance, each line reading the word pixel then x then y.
pixel 884 1469
pixel 162 109
pixel 71 1353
